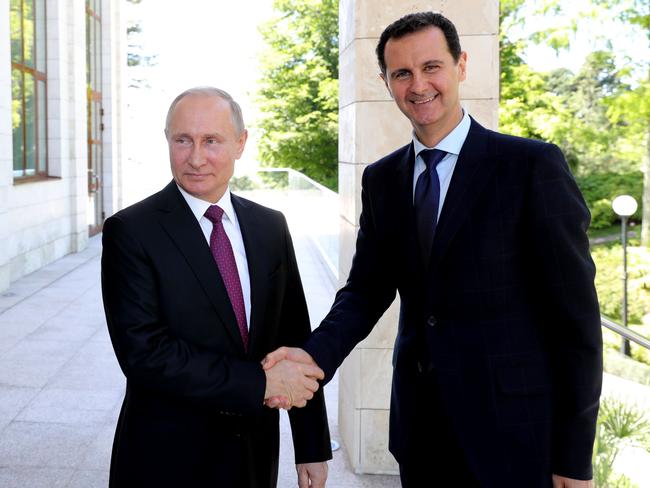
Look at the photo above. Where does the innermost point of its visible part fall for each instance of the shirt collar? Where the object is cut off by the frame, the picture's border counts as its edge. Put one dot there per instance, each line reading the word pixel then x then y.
pixel 452 142
pixel 199 207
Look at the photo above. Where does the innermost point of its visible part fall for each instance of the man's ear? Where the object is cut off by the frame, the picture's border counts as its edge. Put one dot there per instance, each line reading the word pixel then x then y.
pixel 383 78
pixel 242 143
pixel 462 66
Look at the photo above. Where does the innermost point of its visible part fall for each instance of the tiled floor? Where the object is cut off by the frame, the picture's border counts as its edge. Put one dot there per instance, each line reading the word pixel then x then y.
pixel 61 387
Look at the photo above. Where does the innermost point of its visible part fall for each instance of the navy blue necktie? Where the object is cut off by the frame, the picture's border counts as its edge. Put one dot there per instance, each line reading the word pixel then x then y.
pixel 427 200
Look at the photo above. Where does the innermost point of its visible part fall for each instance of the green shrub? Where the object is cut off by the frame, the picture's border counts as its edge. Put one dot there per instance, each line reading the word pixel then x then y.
pixel 602 215
pixel 607 186
pixel 609 273
pixel 620 424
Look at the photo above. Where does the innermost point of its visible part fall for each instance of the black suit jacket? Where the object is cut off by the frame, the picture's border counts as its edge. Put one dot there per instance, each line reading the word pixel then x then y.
pixel 506 312
pixel 193 413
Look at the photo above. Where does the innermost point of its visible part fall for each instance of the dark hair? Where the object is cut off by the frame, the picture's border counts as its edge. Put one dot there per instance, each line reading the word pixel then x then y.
pixel 414 23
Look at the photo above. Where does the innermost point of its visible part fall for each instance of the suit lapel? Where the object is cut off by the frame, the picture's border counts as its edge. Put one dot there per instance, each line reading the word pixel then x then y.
pixel 184 230
pixel 472 171
pixel 258 266
pixel 406 214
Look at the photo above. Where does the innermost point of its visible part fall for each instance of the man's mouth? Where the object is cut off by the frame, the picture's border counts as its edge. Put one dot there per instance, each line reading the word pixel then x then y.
pixel 424 100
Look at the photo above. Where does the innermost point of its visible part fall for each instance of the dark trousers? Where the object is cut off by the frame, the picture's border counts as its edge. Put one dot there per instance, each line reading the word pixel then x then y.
pixel 436 460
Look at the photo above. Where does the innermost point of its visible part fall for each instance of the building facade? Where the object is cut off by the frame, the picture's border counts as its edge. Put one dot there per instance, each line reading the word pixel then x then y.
pixel 61 68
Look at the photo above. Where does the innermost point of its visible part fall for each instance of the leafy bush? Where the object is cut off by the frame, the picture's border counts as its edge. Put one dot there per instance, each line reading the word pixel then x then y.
pixel 609 273
pixel 602 215
pixel 620 425
pixel 599 189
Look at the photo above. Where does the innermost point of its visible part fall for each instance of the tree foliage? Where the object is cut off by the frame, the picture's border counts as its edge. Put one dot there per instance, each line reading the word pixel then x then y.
pixel 138 60
pixel 599 115
pixel 298 94
pixel 571 109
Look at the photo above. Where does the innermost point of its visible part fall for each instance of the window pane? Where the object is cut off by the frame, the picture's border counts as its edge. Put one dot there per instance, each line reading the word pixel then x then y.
pixel 95 121
pixel 91 119
pixel 30 125
pixel 40 35
pixel 91 36
pixel 42 128
pixel 97 162
pixel 98 57
pixel 88 49
pixel 17 120
pixel 28 32
pixel 16 32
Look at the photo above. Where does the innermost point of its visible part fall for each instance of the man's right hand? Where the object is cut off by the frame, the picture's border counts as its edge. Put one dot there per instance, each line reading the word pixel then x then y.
pixel 294 381
pixel 291 353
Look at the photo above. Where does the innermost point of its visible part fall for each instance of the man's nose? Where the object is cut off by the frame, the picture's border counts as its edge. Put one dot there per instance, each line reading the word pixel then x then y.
pixel 419 83
pixel 196 157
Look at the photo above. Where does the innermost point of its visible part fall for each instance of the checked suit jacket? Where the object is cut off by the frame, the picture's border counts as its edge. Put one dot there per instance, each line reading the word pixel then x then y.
pixel 193 412
pixel 506 312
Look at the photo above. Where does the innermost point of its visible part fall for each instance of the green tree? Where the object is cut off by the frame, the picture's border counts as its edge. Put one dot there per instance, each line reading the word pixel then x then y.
pixel 600 116
pixel 633 108
pixel 298 94
pixel 138 60
pixel 589 135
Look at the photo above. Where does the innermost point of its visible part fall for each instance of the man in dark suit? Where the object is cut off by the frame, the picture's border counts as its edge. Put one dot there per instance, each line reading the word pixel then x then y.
pixel 497 362
pixel 198 285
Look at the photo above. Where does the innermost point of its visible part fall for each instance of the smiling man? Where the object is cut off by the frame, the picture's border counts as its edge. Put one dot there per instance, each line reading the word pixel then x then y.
pixel 198 285
pixel 497 361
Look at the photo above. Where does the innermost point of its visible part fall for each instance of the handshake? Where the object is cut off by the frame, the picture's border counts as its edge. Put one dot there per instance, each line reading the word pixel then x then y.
pixel 291 378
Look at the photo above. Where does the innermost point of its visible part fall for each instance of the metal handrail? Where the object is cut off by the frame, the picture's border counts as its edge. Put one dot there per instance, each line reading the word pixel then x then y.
pixel 625 332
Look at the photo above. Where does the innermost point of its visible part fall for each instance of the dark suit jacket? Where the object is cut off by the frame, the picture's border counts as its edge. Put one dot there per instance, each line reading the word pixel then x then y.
pixel 506 312
pixel 193 413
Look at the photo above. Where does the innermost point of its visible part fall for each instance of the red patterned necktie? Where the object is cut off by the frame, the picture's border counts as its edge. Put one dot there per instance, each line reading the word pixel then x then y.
pixel 225 259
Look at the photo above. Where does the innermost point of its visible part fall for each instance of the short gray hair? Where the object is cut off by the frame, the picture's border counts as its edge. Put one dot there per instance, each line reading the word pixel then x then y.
pixel 210 91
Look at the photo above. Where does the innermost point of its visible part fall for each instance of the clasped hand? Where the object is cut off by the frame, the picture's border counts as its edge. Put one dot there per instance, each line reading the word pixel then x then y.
pixel 291 378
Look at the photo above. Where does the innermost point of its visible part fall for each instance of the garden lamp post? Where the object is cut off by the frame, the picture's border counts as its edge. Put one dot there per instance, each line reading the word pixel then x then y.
pixel 624 206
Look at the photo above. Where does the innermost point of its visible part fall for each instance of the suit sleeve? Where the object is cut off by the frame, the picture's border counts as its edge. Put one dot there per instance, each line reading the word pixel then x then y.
pixel 148 354
pixel 309 427
pixel 558 220
pixel 368 292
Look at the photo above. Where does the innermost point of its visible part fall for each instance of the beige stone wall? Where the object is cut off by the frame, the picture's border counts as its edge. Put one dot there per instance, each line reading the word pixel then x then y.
pixel 370 126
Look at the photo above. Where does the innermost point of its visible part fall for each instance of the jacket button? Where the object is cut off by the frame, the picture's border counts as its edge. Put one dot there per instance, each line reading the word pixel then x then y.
pixel 432 321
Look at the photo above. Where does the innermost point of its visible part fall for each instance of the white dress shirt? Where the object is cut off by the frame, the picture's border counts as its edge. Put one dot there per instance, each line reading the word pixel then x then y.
pixel 452 144
pixel 233 231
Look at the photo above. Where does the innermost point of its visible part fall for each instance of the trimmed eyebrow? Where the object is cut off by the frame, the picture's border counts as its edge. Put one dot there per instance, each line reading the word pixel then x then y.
pixel 202 136
pixel 399 71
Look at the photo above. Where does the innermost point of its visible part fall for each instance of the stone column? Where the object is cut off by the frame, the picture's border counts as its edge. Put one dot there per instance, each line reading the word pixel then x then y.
pixel 371 126
pixel 113 83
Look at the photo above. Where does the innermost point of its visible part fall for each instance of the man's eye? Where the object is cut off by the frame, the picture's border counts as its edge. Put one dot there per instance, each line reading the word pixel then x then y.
pixel 401 75
pixel 182 140
pixel 431 67
pixel 212 141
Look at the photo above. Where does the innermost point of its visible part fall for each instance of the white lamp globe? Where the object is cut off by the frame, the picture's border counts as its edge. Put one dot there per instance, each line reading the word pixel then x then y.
pixel 624 205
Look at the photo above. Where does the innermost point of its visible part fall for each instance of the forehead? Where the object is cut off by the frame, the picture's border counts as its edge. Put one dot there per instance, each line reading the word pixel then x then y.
pixel 201 109
pixel 420 46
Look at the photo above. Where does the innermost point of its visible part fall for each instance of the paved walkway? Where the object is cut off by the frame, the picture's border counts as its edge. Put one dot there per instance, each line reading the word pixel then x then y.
pixel 61 387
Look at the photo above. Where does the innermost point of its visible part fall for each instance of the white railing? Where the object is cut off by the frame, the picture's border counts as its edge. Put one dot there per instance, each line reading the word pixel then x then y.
pixel 311 209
